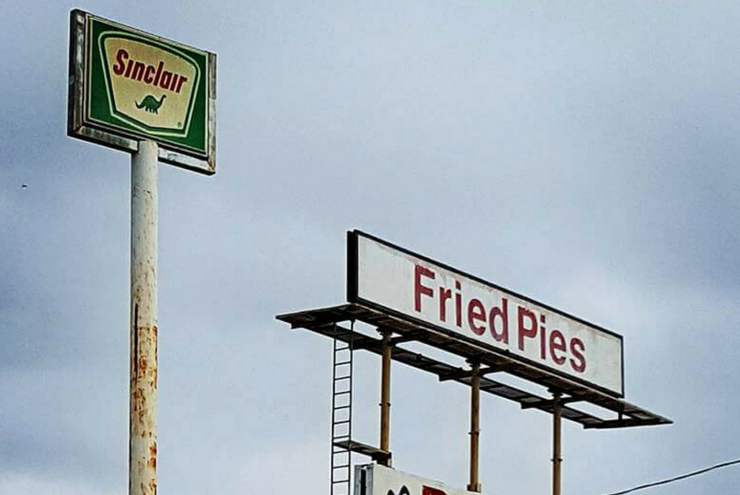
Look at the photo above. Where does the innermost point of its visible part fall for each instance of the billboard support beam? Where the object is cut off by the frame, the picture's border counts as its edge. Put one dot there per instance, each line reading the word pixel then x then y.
pixel 474 485
pixel 321 321
pixel 385 395
pixel 557 459
pixel 324 321
pixel 143 322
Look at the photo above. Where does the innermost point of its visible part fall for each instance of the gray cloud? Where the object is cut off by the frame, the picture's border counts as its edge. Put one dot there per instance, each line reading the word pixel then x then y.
pixel 584 156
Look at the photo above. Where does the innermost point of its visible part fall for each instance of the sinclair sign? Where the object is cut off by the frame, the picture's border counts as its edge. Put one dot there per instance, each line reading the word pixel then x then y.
pixel 429 293
pixel 127 85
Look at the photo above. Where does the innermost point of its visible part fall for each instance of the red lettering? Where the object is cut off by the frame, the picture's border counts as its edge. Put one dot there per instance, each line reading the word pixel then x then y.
pixel 476 312
pixel 138 73
pixel 148 77
pixel 149 74
pixel 444 295
pixel 502 314
pixel 458 305
pixel 180 83
pixel 428 490
pixel 579 364
pixel 419 290
pixel 129 67
pixel 543 338
pixel 120 64
pixel 523 332
pixel 166 80
pixel 159 73
pixel 557 343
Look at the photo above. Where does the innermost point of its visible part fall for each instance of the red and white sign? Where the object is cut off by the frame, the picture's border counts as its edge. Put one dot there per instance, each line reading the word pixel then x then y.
pixel 374 479
pixel 413 287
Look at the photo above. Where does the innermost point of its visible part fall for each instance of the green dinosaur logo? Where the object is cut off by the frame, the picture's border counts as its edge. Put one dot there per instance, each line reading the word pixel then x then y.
pixel 150 103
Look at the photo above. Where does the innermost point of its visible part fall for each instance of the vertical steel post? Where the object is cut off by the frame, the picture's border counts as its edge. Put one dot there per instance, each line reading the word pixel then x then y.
pixel 557 460
pixel 474 485
pixel 143 321
pixel 385 396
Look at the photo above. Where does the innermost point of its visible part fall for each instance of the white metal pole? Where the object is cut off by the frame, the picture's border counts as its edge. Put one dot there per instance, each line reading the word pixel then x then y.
pixel 143 381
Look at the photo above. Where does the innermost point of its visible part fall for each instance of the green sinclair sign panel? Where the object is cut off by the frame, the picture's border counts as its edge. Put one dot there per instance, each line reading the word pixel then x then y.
pixel 127 86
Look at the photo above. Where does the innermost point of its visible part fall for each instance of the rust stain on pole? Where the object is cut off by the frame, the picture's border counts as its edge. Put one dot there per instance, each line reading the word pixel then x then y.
pixel 143 359
pixel 385 397
pixel 475 485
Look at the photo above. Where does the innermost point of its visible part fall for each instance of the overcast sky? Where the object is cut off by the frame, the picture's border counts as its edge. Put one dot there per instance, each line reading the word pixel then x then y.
pixel 582 153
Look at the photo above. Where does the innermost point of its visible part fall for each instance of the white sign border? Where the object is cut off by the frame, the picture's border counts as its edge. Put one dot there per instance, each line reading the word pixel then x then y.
pixel 368 477
pixel 353 297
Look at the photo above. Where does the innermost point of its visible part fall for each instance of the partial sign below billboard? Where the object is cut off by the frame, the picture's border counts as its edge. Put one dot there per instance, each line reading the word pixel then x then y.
pixel 429 293
pixel 127 85
pixel 374 479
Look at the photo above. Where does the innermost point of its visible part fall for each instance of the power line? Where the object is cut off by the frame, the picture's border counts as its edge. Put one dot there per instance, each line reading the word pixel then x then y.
pixel 678 478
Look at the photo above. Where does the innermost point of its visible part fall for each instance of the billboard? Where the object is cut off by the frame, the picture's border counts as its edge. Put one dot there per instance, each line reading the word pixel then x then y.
pixel 429 293
pixel 374 479
pixel 127 85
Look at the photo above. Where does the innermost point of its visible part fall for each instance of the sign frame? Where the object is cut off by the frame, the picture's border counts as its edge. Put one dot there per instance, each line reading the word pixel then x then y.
pixel 353 296
pixel 369 480
pixel 80 126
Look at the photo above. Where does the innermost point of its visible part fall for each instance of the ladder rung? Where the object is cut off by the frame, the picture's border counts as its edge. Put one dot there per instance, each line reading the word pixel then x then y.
pixel 344 360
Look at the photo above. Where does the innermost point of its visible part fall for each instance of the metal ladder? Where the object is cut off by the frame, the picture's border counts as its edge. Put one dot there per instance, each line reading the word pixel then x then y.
pixel 341 415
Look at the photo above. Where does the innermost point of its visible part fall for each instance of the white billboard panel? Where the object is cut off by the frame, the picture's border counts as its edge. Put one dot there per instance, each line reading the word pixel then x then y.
pixel 411 286
pixel 374 479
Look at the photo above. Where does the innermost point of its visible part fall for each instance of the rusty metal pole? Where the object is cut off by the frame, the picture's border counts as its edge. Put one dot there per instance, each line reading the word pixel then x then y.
pixel 556 436
pixel 385 397
pixel 143 372
pixel 474 485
